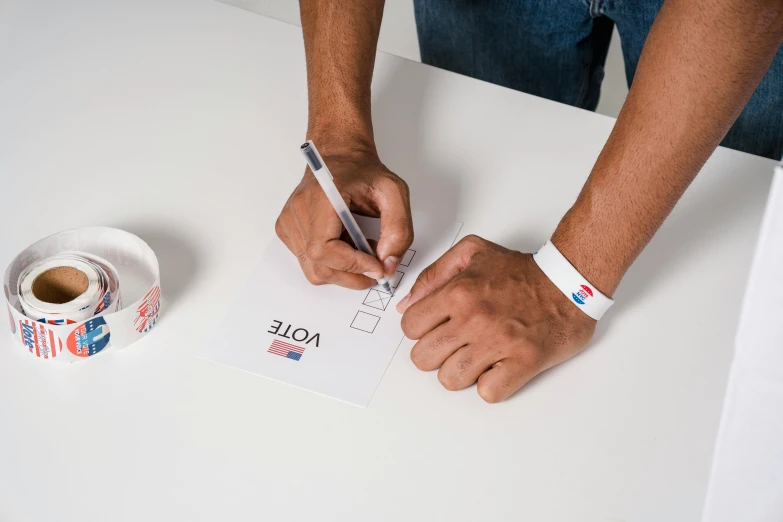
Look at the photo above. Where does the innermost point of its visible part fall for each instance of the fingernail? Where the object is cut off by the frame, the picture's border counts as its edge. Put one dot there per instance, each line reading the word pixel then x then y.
pixel 372 275
pixel 401 304
pixel 390 264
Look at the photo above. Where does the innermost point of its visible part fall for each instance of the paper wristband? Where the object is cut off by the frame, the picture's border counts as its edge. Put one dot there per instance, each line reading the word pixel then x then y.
pixel 574 286
pixel 95 320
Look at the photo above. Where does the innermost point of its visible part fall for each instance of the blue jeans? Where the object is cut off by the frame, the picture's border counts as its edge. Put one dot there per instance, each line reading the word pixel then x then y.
pixel 556 49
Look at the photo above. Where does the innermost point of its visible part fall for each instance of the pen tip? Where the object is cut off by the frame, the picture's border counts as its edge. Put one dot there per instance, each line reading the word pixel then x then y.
pixel 387 287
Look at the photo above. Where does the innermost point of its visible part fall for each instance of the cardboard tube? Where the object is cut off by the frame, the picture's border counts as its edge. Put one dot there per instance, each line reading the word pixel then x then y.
pixel 60 285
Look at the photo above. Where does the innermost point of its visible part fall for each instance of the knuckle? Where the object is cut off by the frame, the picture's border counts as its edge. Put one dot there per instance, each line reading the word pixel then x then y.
pixel 472 241
pixel 393 186
pixel 402 186
pixel 465 364
pixel 400 236
pixel 487 307
pixel 484 311
pixel 313 279
pixel 351 265
pixel 279 229
pixel 508 334
pixel 314 251
pixel 424 278
pixel 407 235
pixel 321 272
pixel 461 291
pixel 404 234
pixel 298 204
pixel 532 360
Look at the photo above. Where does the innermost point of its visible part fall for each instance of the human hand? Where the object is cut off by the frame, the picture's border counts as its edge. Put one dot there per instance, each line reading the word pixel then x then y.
pixel 310 228
pixel 485 313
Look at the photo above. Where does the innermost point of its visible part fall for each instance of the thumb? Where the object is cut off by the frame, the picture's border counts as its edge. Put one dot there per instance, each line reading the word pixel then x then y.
pixel 454 261
pixel 396 224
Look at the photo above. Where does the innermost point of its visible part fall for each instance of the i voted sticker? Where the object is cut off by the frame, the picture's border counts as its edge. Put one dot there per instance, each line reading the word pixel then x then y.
pixel 582 295
pixel 39 339
pixel 89 338
pixel 148 310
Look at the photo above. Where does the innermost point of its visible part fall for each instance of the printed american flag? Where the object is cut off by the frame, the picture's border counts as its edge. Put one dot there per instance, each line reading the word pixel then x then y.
pixel 284 349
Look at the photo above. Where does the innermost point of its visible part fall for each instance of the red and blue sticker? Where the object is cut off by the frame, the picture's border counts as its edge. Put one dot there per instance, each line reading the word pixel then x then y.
pixel 104 303
pixel 582 295
pixel 89 338
pixel 56 322
pixel 40 340
pixel 148 310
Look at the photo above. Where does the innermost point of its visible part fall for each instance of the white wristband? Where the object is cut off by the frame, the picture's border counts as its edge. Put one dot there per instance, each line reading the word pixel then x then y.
pixel 574 286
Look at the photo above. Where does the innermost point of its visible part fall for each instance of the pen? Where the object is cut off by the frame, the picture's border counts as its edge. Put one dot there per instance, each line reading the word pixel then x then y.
pixel 324 177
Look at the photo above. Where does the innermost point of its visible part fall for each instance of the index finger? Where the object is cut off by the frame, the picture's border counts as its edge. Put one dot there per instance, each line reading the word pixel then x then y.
pixel 425 315
pixel 323 245
pixel 454 261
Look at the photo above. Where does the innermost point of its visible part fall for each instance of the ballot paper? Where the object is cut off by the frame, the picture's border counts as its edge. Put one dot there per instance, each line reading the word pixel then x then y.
pixel 330 340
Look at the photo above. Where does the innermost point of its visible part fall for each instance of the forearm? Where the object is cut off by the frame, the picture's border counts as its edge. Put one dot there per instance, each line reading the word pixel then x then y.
pixel 700 65
pixel 340 44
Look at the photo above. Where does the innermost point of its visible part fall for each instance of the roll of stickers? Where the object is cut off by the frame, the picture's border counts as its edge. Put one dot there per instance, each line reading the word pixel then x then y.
pixel 63 293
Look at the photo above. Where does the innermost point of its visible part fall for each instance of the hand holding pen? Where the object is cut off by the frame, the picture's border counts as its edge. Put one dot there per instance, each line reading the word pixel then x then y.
pixel 311 228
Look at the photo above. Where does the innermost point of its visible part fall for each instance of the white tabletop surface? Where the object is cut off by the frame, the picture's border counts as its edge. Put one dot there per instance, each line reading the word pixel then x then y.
pixel 747 473
pixel 180 120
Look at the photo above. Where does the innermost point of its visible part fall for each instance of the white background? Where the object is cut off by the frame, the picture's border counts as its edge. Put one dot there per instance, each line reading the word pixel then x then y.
pixel 180 121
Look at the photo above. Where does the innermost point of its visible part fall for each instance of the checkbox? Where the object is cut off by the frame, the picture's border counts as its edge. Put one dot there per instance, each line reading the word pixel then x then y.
pixel 394 282
pixel 365 322
pixel 377 299
pixel 408 257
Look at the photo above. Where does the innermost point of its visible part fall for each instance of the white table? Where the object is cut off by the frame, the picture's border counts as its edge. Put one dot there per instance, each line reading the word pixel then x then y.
pixel 180 121
pixel 747 472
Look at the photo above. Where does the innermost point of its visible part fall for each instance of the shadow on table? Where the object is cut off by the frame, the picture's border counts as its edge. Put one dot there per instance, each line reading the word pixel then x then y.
pixel 698 221
pixel 399 113
pixel 179 258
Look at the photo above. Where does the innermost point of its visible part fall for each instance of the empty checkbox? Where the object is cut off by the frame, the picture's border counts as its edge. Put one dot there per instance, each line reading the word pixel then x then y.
pixel 365 322
pixel 407 258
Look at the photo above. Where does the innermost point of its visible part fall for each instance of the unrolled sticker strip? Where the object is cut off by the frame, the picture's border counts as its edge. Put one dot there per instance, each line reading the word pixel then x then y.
pixel 94 320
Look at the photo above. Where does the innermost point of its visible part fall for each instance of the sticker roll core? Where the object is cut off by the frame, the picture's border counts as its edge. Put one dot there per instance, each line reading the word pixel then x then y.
pixel 63 293
pixel 37 308
pixel 60 285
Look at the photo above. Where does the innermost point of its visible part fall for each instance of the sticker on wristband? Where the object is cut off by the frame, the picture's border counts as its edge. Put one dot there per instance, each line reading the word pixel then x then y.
pixel 65 290
pixel 568 280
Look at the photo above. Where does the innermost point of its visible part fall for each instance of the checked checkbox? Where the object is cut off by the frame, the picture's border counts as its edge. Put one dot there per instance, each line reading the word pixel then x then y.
pixel 377 299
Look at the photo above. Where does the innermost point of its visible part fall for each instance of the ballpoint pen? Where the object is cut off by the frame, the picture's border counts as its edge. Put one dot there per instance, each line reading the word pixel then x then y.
pixel 324 177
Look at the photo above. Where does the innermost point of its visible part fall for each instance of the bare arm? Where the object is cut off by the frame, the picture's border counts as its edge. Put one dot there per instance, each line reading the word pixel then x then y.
pixel 700 65
pixel 340 43
pixel 489 315
pixel 340 40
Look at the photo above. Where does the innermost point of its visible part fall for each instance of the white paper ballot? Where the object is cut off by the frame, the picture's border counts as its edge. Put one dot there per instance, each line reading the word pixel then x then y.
pixel 326 339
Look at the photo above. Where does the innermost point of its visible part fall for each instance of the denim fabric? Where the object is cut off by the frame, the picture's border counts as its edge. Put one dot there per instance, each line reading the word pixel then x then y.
pixel 557 49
